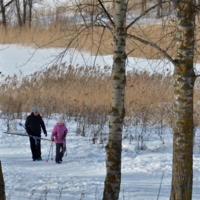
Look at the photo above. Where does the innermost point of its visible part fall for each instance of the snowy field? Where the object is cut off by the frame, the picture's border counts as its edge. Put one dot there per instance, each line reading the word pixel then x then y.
pixel 15 59
pixel 82 173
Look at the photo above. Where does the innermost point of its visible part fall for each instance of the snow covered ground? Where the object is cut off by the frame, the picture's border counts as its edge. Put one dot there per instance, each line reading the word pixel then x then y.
pixel 16 59
pixel 82 173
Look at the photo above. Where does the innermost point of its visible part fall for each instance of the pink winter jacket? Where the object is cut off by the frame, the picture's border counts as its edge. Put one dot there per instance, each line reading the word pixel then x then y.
pixel 59 132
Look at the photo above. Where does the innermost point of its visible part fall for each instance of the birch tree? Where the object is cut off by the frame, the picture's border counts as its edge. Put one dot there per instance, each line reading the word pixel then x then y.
pixel 2 185
pixel 114 146
pixel 183 126
pixel 184 78
pixel 3 12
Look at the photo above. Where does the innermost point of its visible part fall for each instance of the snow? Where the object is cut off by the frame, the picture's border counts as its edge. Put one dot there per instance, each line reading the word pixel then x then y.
pixel 16 59
pixel 27 60
pixel 82 173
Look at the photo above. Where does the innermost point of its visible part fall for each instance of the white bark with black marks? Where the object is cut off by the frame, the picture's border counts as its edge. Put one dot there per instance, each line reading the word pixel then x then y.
pixel 114 146
pixel 2 185
pixel 183 125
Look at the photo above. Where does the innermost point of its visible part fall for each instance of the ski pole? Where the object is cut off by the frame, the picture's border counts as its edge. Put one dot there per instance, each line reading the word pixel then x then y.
pixel 48 155
pixel 35 137
pixel 37 142
pixel 22 125
pixel 49 151
pixel 27 135
pixel 52 151
pixel 65 148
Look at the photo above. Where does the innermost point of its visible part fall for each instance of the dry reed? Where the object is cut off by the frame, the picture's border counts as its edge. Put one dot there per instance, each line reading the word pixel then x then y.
pixel 75 91
pixel 80 91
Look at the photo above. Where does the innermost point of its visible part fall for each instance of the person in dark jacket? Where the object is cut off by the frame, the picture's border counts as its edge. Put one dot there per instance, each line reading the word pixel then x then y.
pixel 33 125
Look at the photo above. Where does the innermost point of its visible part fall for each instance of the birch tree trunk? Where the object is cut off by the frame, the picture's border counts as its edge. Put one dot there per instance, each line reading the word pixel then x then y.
pixel 2 186
pixel 114 146
pixel 183 128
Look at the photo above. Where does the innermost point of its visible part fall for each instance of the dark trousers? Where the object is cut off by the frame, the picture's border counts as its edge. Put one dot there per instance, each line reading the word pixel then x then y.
pixel 35 148
pixel 60 150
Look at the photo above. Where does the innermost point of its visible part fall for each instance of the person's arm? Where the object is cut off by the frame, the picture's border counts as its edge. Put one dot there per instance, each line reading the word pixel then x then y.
pixel 27 125
pixel 43 127
pixel 65 132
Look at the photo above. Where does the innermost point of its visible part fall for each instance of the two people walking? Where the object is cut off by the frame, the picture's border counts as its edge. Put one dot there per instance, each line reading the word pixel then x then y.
pixel 33 125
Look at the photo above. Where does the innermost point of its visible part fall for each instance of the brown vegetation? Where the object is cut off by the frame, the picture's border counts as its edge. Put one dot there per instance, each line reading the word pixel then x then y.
pixel 81 90
pixel 57 35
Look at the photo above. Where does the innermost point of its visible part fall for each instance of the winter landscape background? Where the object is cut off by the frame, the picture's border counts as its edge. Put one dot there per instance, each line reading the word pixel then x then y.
pixel 146 174
pixel 33 46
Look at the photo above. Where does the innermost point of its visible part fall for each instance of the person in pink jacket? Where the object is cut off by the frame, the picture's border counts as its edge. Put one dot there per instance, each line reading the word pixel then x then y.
pixel 59 137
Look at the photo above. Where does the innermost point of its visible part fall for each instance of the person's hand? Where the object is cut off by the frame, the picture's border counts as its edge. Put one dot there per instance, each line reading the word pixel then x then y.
pixel 45 134
pixel 52 139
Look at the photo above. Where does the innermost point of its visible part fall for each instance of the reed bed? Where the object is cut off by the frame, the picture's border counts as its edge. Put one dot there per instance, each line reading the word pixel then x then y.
pixel 78 91
pixel 86 91
pixel 96 40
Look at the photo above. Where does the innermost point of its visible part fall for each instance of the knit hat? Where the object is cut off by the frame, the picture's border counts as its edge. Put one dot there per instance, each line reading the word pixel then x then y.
pixel 60 120
pixel 36 109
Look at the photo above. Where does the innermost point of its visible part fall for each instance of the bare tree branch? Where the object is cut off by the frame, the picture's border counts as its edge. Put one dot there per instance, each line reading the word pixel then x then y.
pixel 7 4
pixel 144 13
pixel 105 11
pixel 153 45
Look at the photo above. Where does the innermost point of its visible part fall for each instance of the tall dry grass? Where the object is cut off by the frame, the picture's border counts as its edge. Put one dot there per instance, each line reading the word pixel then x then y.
pixel 79 91
pixel 95 40
pixel 57 35
pixel 76 91
pixel 61 28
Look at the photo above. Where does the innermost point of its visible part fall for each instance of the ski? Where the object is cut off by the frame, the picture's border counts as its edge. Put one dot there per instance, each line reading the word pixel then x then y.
pixel 21 134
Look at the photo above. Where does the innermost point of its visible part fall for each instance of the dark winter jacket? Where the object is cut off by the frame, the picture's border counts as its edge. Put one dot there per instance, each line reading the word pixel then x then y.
pixel 33 125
